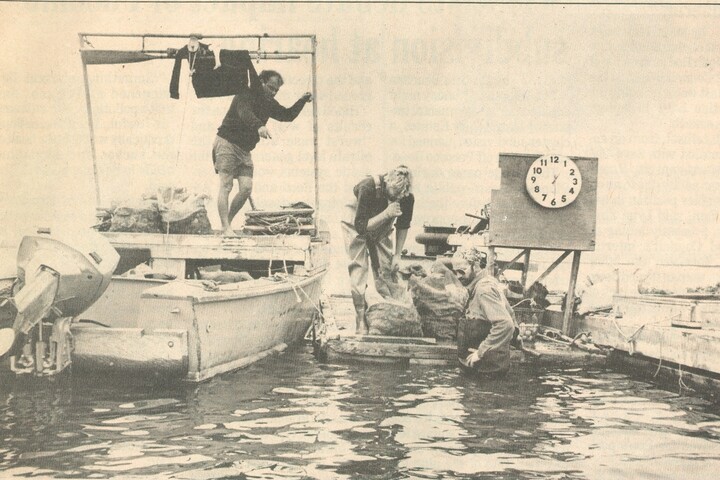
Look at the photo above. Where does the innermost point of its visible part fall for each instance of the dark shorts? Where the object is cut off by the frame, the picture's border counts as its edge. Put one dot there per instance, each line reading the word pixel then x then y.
pixel 231 159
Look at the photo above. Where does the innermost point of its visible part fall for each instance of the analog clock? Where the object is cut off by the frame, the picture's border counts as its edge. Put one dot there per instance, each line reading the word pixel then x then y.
pixel 553 181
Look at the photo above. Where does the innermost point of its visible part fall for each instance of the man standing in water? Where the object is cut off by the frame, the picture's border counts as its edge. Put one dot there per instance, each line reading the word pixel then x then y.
pixel 488 327
pixel 378 203
pixel 240 132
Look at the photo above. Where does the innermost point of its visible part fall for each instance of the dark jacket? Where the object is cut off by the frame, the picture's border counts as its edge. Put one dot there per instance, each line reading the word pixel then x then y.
pixel 250 110
pixel 235 74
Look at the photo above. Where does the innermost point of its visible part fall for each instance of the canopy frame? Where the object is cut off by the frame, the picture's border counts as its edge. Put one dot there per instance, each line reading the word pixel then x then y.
pixel 144 54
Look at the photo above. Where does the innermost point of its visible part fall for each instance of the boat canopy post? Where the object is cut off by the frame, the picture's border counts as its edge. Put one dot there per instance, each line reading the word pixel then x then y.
pixel 91 56
pixel 315 134
pixel 96 176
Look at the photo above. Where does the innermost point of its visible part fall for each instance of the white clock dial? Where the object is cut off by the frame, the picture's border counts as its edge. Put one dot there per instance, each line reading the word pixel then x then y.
pixel 553 181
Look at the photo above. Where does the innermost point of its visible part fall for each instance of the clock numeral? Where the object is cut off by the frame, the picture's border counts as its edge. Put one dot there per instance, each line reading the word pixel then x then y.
pixel 564 163
pixel 537 189
pixel 563 198
pixel 537 170
pixel 572 171
pixel 533 179
pixel 544 196
pixel 572 190
pixel 553 203
pixel 543 162
pixel 554 159
pixel 574 181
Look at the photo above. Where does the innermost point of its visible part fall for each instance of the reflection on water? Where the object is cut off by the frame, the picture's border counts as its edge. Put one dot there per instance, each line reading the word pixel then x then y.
pixel 292 418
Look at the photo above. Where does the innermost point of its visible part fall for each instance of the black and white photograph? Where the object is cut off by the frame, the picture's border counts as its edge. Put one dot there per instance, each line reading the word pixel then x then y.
pixel 359 240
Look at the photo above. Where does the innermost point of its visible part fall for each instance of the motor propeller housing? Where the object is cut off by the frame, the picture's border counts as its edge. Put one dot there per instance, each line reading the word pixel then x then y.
pixel 59 276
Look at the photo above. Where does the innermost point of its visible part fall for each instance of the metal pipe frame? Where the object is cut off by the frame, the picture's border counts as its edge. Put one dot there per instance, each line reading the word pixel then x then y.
pixel 83 36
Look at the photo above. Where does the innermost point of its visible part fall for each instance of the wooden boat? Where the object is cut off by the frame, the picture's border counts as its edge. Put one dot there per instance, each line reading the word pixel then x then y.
pixel 335 341
pixel 196 329
pixel 168 321
pixel 188 327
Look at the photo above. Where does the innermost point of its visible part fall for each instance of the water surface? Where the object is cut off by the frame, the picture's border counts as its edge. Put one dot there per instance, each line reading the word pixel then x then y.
pixel 290 417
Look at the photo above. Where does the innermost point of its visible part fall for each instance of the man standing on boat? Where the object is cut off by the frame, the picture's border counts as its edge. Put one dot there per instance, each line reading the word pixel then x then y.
pixel 240 132
pixel 379 202
pixel 488 327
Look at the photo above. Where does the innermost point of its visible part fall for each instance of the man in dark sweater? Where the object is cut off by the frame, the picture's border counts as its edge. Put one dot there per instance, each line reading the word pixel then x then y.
pixel 241 130
pixel 378 203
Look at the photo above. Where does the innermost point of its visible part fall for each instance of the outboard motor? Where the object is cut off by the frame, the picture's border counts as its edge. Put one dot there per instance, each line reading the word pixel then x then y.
pixel 58 278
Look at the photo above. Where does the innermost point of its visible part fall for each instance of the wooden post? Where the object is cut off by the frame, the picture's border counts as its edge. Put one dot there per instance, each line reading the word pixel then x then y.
pixel 491 260
pixel 570 297
pixel 511 262
pixel 526 266
pixel 90 125
pixel 315 133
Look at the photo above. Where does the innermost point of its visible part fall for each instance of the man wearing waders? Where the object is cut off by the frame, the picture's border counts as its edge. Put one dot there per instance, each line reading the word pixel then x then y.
pixel 379 203
pixel 488 327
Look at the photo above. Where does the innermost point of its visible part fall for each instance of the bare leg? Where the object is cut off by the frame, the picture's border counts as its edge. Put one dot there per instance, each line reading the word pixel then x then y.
pixel 245 189
pixel 226 184
pixel 361 324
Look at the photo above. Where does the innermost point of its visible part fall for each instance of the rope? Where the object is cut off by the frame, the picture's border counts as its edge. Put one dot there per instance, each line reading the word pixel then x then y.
pixel 272 254
pixel 522 301
pixel 631 339
pixel 275 224
pixel 681 383
pixel 295 286
pixel 662 338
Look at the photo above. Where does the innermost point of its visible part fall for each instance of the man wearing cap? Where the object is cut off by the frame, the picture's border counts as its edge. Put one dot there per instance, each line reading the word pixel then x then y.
pixel 488 326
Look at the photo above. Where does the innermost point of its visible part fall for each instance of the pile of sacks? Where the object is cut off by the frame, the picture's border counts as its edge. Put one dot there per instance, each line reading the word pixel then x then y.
pixel 169 210
pixel 433 308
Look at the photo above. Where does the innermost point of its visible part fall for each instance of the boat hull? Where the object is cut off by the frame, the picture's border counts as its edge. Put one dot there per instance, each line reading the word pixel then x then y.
pixel 182 329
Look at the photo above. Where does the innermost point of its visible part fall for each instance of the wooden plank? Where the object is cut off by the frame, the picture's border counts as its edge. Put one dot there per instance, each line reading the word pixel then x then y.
pixel 513 264
pixel 389 339
pixel 351 346
pixel 705 313
pixel 570 296
pixel 284 211
pixel 693 348
pixel 131 349
pixel 552 267
pixel 517 221
pixel 261 228
pixel 667 373
pixel 219 241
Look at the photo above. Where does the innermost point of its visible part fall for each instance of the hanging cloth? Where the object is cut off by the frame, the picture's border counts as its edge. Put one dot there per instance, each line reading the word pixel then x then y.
pixel 235 73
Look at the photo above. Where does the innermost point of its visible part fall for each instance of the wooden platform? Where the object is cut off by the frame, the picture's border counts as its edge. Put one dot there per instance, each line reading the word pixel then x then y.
pixel 683 330
pixel 336 341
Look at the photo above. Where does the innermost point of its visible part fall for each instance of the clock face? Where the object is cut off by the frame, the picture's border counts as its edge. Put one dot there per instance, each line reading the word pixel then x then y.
pixel 553 181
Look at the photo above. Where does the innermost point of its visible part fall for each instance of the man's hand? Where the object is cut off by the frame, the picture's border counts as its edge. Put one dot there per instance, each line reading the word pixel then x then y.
pixel 264 132
pixel 395 263
pixel 307 98
pixel 471 359
pixel 393 210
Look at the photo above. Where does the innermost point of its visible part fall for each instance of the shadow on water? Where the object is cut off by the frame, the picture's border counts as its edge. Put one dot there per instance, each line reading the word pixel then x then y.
pixel 291 417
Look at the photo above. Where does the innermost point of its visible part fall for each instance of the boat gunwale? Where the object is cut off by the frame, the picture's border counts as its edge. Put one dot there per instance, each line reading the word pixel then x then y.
pixel 250 289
